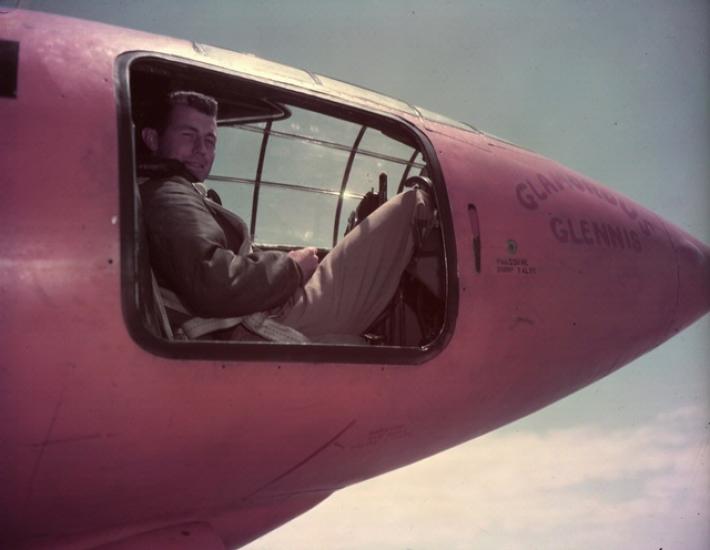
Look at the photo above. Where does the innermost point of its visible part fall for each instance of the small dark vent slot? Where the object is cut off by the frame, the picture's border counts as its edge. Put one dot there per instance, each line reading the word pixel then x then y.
pixel 476 234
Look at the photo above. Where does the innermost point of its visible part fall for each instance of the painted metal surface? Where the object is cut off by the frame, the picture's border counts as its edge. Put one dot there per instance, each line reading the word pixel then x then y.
pixel 102 441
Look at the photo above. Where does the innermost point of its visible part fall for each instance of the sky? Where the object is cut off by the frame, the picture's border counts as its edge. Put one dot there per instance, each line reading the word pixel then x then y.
pixel 617 90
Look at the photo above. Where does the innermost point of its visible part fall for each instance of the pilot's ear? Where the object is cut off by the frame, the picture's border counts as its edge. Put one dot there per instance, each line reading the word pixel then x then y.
pixel 150 138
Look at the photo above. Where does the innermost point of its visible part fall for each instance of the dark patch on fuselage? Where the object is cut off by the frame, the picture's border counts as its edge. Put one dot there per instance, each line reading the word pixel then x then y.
pixel 9 65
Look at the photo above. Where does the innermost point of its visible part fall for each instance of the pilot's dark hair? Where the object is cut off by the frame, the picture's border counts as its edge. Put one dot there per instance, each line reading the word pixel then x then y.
pixel 159 115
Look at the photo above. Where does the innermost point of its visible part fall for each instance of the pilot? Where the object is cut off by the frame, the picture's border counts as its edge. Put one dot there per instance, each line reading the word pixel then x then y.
pixel 216 281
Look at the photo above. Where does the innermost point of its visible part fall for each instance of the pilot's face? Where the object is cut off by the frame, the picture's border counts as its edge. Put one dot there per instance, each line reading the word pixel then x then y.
pixel 190 136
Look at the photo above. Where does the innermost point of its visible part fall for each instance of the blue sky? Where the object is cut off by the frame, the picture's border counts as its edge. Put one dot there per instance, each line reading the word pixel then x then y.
pixel 619 91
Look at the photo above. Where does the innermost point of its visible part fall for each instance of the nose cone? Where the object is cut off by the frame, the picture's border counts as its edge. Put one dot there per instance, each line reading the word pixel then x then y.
pixel 693 276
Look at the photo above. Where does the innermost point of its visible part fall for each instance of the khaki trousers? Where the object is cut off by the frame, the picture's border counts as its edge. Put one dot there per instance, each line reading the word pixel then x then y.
pixel 358 278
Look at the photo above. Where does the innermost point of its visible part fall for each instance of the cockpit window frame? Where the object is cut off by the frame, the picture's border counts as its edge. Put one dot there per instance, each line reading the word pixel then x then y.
pixel 239 351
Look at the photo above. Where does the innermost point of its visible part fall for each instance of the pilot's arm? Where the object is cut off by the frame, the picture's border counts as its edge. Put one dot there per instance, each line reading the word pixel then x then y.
pixel 195 255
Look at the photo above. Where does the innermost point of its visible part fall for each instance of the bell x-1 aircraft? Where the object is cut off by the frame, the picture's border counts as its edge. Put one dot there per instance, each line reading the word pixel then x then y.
pixel 117 430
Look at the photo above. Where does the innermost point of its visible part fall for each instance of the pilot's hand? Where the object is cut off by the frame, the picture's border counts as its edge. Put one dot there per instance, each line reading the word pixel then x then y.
pixel 307 261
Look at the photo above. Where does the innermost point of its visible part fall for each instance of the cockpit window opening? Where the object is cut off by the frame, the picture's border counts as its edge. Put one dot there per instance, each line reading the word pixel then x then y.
pixel 296 168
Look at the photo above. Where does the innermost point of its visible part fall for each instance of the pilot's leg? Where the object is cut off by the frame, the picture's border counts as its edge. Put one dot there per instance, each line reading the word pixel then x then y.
pixel 356 280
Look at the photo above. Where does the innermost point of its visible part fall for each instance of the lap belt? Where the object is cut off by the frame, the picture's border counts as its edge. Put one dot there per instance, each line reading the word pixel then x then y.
pixel 259 323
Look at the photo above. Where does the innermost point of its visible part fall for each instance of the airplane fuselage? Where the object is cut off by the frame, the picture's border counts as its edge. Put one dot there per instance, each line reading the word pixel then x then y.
pixel 553 281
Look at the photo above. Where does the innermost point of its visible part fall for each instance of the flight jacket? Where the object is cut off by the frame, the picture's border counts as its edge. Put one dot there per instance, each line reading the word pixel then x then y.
pixel 203 253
